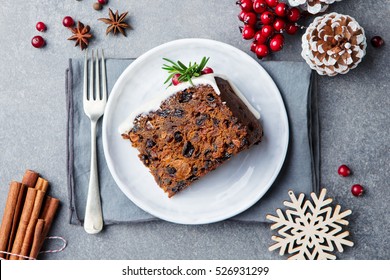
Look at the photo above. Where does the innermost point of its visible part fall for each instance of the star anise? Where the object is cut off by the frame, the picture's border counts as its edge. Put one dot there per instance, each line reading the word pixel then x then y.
pixel 116 23
pixel 81 35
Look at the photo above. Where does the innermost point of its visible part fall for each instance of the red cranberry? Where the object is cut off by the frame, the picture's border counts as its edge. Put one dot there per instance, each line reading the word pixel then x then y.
pixel 246 5
pixel 279 35
pixel 254 45
pixel 272 3
pixel 175 79
pixel 293 14
pixel 241 15
pixel 377 41
pixel 267 31
pixel 40 26
pixel 276 43
pixel 267 17
pixel 357 190
pixel 262 51
pixel 248 32
pixel 207 70
pixel 38 42
pixel 260 38
pixel 103 2
pixel 68 21
pixel 281 9
pixel 344 170
pixel 291 28
pixel 259 6
pixel 279 24
pixel 250 18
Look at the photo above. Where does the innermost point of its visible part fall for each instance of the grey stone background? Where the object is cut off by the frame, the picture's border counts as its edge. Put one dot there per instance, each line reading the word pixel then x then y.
pixel 354 115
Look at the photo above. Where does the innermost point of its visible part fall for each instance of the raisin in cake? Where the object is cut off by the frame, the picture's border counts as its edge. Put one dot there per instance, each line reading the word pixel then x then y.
pixel 193 131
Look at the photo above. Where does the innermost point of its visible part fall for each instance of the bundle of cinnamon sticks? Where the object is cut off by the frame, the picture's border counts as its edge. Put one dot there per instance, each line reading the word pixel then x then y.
pixel 28 216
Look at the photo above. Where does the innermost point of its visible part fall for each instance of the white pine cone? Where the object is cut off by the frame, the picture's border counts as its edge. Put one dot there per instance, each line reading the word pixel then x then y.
pixel 333 44
pixel 312 6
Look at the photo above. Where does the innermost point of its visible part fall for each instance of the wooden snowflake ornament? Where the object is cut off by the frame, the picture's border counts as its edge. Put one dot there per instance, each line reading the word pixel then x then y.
pixel 310 230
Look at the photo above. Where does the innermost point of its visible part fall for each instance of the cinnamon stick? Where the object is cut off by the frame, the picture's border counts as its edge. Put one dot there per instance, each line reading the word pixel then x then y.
pixel 16 217
pixel 8 216
pixel 48 214
pixel 28 238
pixel 23 223
pixel 36 244
pixel 30 178
pixel 42 184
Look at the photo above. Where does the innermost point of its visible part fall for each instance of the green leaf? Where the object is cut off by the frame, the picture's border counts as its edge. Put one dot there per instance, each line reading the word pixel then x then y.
pixel 181 65
pixel 169 78
pixel 170 61
pixel 203 63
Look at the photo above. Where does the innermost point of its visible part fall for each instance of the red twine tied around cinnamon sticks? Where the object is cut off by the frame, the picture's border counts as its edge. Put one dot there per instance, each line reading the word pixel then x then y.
pixel 62 248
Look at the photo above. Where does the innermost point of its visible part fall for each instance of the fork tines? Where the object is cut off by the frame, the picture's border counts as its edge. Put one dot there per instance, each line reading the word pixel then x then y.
pixel 94 75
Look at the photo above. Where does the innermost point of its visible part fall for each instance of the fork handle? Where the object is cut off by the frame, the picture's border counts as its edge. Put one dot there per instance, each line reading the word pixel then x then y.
pixel 93 221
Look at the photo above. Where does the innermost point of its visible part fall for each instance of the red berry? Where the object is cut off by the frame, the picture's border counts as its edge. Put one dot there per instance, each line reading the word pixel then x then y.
pixel 267 17
pixel 250 18
pixel 103 2
pixel 68 21
pixel 276 43
pixel 293 14
pixel 377 41
pixel 38 42
pixel 40 26
pixel 267 31
pixel 272 3
pixel 279 24
pixel 281 9
pixel 344 170
pixel 259 6
pixel 260 38
pixel 262 51
pixel 357 190
pixel 241 15
pixel 248 32
pixel 207 70
pixel 175 79
pixel 246 5
pixel 254 45
pixel 291 28
pixel 278 35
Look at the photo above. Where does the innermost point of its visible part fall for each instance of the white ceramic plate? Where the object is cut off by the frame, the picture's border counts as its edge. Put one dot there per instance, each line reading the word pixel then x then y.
pixel 234 186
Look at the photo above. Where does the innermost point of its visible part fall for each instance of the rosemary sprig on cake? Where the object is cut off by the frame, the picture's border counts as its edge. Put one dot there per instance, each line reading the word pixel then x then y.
pixel 178 72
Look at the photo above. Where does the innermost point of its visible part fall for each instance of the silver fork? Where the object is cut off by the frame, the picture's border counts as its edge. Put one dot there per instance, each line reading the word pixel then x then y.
pixel 94 108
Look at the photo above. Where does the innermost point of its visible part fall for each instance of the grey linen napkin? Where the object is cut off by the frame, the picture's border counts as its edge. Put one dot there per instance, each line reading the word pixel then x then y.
pixel 300 171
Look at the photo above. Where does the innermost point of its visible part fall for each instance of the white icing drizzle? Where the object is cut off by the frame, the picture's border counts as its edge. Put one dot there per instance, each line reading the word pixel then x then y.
pixel 154 104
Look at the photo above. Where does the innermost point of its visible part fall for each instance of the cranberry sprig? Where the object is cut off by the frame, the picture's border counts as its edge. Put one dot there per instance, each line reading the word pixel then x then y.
pixel 178 72
pixel 265 21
